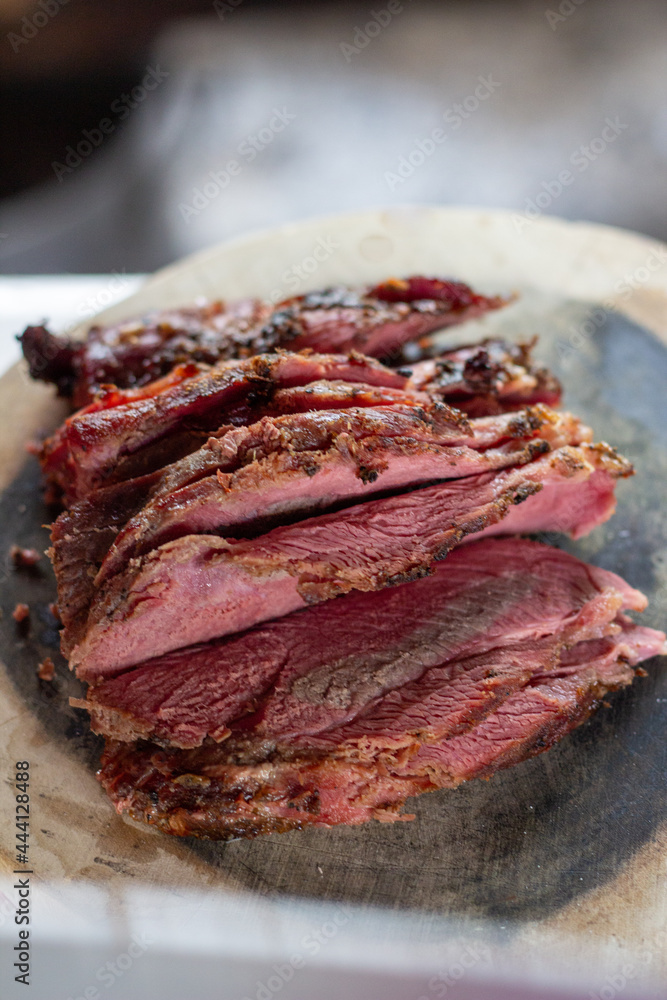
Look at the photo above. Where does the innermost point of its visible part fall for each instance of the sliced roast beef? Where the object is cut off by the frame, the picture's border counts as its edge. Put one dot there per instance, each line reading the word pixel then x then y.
pixel 376 320
pixel 319 428
pixel 144 704
pixel 199 793
pixel 573 505
pixel 82 536
pixel 370 451
pixel 452 699
pixel 315 397
pixel 490 377
pixel 289 487
pixel 377 662
pixel 235 448
pixel 320 394
pixel 228 585
pixel 109 396
pixel 232 448
pixel 238 789
pixel 293 465
pixel 89 449
pixel 546 707
pixel 134 352
pixel 323 395
pixel 225 489
pixel 128 434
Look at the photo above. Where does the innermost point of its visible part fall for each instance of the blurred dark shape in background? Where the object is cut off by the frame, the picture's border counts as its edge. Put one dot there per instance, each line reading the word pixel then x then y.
pixel 132 133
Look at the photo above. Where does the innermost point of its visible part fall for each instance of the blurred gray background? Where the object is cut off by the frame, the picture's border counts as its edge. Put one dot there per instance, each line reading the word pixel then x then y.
pixel 131 134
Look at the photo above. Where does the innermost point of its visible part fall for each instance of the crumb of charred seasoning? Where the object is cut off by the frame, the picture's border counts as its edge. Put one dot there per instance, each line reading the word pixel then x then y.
pixel 22 558
pixel 46 669
pixel 20 612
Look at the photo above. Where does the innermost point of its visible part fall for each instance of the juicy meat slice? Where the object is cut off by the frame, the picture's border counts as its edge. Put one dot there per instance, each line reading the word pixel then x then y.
pixel 228 585
pixel 144 702
pixel 450 700
pixel 91 448
pixel 314 398
pixel 369 451
pixel 319 428
pixel 174 791
pixel 228 790
pixel 544 708
pixel 322 395
pixel 286 487
pixel 135 352
pixel 573 507
pixel 109 396
pixel 489 377
pixel 233 448
pixel 83 535
pixel 381 659
pixel 376 321
pixel 110 522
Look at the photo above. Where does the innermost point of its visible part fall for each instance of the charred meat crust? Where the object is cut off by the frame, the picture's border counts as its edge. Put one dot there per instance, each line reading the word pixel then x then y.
pixel 100 445
pixel 489 377
pixel 136 352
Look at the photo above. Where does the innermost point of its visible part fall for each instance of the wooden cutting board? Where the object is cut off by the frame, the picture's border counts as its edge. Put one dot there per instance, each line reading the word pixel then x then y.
pixel 570 844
